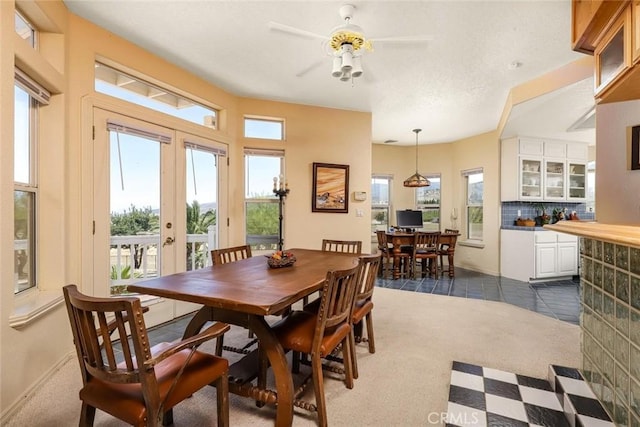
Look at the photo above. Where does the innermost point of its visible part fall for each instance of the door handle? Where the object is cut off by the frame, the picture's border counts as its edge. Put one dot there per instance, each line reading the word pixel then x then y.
pixel 168 241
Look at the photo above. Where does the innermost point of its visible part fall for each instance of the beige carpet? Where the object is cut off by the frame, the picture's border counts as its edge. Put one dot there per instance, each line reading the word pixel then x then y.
pixel 417 338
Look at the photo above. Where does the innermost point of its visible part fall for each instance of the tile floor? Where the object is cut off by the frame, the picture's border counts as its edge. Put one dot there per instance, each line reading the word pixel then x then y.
pixel 483 396
pixel 558 299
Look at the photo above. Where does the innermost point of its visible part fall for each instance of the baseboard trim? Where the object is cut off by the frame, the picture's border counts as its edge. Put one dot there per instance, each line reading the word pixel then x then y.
pixel 29 392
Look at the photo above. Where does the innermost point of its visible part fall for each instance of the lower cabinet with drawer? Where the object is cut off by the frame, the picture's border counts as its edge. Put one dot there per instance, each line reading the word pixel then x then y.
pixel 538 255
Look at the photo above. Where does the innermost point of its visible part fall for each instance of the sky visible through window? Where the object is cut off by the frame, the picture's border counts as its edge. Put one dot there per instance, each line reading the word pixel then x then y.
pixel 140 163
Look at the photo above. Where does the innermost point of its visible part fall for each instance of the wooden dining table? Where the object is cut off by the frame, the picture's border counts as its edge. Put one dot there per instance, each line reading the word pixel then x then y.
pixel 401 238
pixel 243 293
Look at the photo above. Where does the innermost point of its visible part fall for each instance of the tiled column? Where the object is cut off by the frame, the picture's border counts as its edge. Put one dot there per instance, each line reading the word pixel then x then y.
pixel 610 296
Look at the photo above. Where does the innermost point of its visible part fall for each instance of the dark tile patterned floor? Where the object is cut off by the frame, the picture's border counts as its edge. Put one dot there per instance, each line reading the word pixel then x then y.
pixel 558 299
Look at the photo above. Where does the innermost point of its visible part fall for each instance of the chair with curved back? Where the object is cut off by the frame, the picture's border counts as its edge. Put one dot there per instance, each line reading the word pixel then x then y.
pixel 139 393
pixel 445 248
pixel 319 334
pixel 231 254
pixel 425 248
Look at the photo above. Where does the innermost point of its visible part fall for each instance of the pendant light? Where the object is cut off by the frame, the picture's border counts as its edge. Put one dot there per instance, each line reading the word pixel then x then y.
pixel 416 180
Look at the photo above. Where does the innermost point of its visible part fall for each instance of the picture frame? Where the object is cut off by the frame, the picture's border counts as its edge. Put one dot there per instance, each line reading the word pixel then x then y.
pixel 634 151
pixel 330 188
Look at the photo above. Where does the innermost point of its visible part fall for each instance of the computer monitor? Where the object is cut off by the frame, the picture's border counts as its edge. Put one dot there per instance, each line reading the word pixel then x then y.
pixel 408 220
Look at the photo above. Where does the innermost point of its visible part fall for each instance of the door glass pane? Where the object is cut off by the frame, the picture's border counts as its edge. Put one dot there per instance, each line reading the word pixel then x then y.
pixel 202 206
pixel 135 209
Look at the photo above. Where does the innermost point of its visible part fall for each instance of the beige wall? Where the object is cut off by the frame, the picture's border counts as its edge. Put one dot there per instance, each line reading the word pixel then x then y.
pixel 450 160
pixel 29 354
pixel 320 135
pixel 620 203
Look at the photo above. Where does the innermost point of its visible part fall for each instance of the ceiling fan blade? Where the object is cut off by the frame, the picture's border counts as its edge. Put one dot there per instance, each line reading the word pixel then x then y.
pixel 402 39
pixel 295 31
pixel 311 67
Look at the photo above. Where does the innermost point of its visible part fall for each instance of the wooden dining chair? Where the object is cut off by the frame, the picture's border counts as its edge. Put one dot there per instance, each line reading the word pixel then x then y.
pixel 341 246
pixel 363 304
pixel 144 387
pixel 224 256
pixel 425 248
pixel 344 246
pixel 386 264
pixel 231 254
pixel 444 248
pixel 319 334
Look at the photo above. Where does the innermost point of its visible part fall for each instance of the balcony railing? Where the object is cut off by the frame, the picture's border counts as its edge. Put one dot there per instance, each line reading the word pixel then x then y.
pixel 138 257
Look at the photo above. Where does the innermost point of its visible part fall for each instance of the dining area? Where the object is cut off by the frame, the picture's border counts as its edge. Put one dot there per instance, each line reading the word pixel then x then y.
pixel 240 291
pixel 404 251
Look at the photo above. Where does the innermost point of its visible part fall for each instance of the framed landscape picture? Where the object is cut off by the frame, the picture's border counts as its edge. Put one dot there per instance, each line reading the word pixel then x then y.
pixel 330 189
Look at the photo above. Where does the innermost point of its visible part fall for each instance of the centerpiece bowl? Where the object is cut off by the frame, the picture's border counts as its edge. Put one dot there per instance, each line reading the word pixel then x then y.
pixel 281 259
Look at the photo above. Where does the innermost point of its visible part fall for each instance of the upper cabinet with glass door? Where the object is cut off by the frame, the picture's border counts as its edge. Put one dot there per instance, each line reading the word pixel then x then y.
pixel 537 170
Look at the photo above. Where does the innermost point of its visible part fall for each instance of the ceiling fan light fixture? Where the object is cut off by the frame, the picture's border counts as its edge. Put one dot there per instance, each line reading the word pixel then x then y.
pixel 357 71
pixel 346 76
pixel 337 67
pixel 416 180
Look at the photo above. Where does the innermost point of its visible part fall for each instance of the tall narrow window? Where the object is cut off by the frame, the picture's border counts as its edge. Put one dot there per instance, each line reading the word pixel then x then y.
pixel 474 203
pixel 380 203
pixel 28 96
pixel 261 204
pixel 428 201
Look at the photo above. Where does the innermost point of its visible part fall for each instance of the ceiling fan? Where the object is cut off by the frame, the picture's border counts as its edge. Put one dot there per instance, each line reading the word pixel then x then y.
pixel 346 44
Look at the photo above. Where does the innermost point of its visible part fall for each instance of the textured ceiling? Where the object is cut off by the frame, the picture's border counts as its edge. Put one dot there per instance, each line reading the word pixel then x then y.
pixel 453 86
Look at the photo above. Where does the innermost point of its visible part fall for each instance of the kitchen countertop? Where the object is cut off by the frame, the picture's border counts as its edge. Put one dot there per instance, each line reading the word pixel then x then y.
pixel 628 235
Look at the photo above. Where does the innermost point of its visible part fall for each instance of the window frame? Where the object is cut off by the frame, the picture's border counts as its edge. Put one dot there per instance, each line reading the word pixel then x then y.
pixel 37 96
pixel 269 199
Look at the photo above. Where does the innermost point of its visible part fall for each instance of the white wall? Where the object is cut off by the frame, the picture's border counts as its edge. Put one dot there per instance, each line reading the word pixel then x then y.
pixel 617 187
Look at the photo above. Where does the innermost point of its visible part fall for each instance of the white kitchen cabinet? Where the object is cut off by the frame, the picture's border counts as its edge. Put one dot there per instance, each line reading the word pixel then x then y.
pixel 530 173
pixel 576 181
pixel 554 178
pixel 531 256
pixel 546 260
pixel 536 170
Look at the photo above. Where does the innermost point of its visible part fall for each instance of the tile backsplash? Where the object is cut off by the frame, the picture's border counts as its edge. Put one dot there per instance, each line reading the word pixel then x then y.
pixel 531 210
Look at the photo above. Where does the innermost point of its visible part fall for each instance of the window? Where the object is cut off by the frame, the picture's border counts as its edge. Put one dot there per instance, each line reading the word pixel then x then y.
pixel 263 128
pixel 261 204
pixel 428 201
pixel 25 30
pixel 28 95
pixel 132 89
pixel 380 204
pixel 474 203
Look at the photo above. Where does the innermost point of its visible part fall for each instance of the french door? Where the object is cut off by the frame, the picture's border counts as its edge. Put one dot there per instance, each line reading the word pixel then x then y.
pixel 144 176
